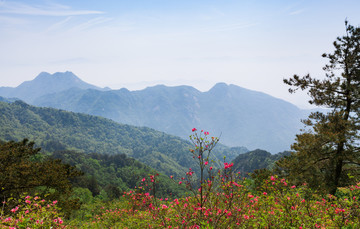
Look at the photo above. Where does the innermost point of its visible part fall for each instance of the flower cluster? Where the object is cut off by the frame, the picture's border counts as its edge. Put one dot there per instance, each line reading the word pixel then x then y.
pixel 33 212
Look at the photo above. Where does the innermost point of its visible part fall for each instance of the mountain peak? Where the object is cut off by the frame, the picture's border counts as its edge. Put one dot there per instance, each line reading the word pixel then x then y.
pixel 46 83
pixel 57 76
pixel 219 86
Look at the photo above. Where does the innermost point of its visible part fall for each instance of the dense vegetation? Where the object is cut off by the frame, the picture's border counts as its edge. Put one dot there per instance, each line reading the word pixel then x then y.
pixel 24 170
pixel 108 176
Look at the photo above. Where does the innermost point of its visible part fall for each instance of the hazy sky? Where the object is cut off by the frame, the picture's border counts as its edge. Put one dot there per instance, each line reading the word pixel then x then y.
pixel 134 44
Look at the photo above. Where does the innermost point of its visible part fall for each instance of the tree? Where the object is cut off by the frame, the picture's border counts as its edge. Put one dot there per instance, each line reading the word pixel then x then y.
pixel 327 152
pixel 21 170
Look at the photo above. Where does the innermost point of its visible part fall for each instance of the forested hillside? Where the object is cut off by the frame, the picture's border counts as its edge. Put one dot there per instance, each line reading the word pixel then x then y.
pixel 254 160
pixel 53 130
pixel 110 175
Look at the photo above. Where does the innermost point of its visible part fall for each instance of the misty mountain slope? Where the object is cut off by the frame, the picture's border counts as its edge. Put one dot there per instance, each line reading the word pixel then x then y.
pixel 242 117
pixel 45 83
pixel 174 110
pixel 261 120
pixel 118 105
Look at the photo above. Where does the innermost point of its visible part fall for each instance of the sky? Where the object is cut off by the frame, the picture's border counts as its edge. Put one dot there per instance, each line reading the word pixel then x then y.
pixel 140 43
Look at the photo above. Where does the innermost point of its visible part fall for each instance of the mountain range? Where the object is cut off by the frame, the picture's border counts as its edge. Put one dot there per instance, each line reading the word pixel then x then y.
pixel 241 117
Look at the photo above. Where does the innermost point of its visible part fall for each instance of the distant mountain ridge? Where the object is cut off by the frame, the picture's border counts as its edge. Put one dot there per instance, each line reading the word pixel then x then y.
pixel 242 117
pixel 44 84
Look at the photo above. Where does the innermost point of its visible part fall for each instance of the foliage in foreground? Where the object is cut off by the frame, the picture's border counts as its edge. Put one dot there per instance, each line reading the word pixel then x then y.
pixel 275 204
pixel 235 206
pixel 33 212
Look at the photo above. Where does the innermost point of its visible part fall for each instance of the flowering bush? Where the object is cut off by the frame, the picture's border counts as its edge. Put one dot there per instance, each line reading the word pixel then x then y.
pixel 238 207
pixel 33 212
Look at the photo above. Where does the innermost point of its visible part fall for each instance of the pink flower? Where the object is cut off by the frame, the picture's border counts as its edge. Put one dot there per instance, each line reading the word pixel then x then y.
pixel 272 178
pixel 206 162
pixel 8 219
pixel 164 206
pixel 206 133
pixel 227 165
pixel 14 209
pixel 176 201
pixel 293 186
pixel 180 182
pixel 194 129
pixel 143 179
pixel 264 193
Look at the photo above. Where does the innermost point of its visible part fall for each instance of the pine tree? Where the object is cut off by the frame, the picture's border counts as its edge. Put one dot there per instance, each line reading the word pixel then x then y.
pixel 327 153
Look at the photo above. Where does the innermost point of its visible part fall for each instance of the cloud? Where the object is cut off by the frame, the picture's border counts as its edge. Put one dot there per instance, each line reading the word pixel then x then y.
pixel 231 27
pixel 296 12
pixel 90 23
pixel 4 20
pixel 59 24
pixel 45 10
